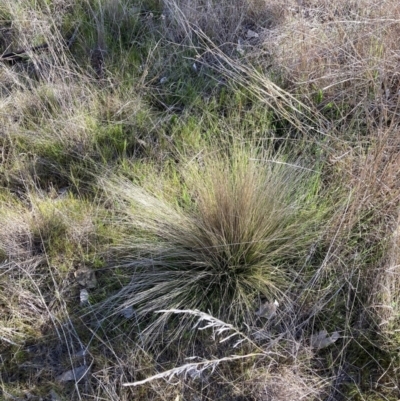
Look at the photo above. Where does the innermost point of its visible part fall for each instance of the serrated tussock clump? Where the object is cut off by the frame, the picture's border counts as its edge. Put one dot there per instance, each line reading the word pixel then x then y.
pixel 241 230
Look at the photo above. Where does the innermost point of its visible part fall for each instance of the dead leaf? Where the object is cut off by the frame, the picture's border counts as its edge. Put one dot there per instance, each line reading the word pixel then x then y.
pixel 251 34
pixel 128 312
pixel 239 47
pixel 267 309
pixel 73 375
pixel 322 339
pixel 54 396
pixel 194 373
pixel 86 277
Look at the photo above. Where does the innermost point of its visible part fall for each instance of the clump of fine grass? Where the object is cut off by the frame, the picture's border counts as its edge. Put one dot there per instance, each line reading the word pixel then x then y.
pixel 241 229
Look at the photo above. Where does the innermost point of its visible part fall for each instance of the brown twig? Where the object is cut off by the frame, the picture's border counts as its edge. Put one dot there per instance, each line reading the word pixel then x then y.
pixel 23 54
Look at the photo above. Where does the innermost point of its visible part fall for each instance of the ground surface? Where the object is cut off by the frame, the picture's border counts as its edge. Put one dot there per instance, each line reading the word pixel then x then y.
pixel 199 200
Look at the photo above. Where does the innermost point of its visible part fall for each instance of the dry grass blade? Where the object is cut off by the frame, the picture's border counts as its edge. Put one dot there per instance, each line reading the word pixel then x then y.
pixel 286 105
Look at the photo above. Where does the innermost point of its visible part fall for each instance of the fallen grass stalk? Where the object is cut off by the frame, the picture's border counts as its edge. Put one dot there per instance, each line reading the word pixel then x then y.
pixel 287 164
pixel 218 325
pixel 188 368
pixel 286 105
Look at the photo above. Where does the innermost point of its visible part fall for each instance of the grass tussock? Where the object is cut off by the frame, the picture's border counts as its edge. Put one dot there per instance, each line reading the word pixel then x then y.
pixel 241 231
pixel 169 169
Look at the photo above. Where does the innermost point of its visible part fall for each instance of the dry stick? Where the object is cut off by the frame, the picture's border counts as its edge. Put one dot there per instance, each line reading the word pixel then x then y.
pixel 23 54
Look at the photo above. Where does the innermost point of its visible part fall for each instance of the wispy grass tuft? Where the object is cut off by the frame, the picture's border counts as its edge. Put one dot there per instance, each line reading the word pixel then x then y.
pixel 241 230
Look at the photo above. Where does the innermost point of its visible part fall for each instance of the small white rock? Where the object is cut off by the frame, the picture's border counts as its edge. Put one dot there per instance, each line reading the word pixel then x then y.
pixel 84 296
